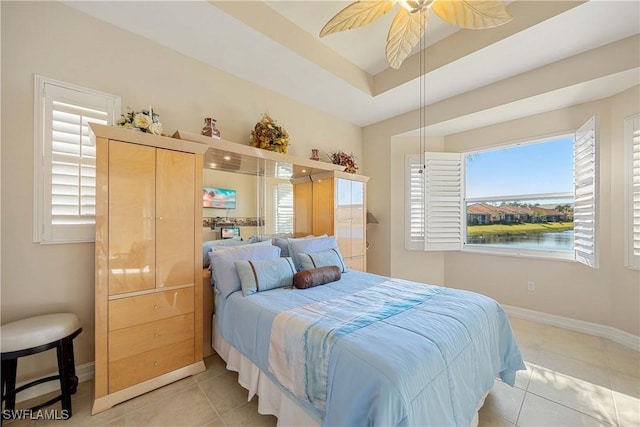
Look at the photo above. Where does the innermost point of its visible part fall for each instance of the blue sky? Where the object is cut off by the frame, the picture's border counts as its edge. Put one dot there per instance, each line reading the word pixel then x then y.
pixel 545 167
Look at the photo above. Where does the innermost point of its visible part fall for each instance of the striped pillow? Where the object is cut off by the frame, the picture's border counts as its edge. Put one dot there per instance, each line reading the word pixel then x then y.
pixel 322 259
pixel 262 275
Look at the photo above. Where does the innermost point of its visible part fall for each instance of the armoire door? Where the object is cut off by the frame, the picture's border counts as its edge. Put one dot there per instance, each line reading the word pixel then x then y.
pixel 175 176
pixel 131 256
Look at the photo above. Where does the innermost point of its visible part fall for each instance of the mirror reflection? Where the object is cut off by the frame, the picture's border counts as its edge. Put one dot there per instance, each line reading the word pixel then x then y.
pixel 240 205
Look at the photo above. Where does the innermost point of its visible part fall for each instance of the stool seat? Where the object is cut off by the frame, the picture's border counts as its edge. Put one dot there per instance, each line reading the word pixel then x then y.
pixel 36 331
pixel 35 335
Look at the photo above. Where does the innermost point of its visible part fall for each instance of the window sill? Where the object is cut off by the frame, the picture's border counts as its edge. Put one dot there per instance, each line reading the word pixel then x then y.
pixel 521 253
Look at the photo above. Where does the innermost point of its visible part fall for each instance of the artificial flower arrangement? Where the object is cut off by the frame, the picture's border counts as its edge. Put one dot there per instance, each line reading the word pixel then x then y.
pixel 267 134
pixel 143 120
pixel 343 159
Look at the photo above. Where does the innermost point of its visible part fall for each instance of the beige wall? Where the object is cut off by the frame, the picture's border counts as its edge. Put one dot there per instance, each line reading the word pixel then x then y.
pixel 609 295
pixel 53 40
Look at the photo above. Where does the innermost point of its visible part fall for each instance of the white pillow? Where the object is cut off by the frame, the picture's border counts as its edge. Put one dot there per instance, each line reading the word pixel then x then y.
pixel 309 245
pixel 223 266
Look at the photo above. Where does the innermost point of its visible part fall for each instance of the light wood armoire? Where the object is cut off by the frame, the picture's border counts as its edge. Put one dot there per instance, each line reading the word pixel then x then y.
pixel 148 296
pixel 334 203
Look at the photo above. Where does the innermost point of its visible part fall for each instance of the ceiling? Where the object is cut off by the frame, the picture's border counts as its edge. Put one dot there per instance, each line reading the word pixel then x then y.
pixel 541 60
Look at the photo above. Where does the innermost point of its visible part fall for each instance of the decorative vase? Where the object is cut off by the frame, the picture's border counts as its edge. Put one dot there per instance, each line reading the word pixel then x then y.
pixel 210 129
pixel 314 154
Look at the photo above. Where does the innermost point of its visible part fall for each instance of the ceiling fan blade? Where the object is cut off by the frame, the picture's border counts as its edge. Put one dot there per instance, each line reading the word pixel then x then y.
pixel 405 32
pixel 472 14
pixel 356 15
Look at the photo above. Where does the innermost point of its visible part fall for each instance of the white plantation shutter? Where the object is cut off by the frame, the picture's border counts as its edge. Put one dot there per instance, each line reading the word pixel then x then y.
pixel 65 159
pixel 434 202
pixel 444 192
pixel 632 234
pixel 414 203
pixel 283 207
pixel 586 194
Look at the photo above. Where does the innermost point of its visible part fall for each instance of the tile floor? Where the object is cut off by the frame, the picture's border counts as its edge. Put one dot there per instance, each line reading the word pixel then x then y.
pixel 572 379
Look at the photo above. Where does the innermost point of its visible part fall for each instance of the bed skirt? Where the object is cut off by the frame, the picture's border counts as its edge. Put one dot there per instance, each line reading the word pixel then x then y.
pixel 272 401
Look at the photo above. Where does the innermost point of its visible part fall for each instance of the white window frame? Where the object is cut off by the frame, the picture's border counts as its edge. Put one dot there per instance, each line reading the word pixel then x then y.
pixel 46 92
pixel 632 192
pixel 434 223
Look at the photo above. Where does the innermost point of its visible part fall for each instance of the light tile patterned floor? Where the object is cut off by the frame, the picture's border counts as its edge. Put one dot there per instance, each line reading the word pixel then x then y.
pixel 572 379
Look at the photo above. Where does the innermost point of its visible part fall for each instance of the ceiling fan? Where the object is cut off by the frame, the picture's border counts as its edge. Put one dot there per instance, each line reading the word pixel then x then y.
pixel 410 22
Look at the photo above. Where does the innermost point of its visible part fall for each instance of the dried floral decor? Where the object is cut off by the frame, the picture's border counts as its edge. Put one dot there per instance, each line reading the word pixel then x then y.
pixel 143 120
pixel 268 135
pixel 346 160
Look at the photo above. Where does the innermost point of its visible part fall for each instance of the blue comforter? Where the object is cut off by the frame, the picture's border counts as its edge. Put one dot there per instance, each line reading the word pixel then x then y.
pixel 428 364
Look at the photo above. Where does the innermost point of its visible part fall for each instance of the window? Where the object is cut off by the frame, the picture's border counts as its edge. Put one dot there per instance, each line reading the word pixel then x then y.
pixel 536 199
pixel 632 199
pixel 64 160
pixel 283 207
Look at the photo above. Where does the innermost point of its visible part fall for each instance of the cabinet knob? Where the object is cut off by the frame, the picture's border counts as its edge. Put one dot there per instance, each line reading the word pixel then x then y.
pixel 155 334
pixel 155 363
pixel 160 217
pixel 155 306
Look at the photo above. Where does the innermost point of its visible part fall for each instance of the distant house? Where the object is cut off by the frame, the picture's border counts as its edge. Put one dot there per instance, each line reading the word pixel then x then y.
pixel 480 214
pixel 483 213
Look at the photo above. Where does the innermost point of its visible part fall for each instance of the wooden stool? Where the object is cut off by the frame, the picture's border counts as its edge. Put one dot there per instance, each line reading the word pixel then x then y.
pixel 34 335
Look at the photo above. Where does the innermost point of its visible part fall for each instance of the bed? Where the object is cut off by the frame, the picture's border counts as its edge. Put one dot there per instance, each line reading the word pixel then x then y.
pixel 362 350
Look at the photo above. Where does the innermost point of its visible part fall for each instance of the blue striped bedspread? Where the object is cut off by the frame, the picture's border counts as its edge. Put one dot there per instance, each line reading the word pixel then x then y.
pixel 412 355
pixel 302 338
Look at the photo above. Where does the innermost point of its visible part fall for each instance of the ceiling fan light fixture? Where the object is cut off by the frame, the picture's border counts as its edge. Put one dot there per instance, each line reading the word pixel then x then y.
pixel 415 6
pixel 408 25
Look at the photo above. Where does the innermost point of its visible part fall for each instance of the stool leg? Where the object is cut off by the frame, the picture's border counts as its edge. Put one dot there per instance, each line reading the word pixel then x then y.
pixel 72 379
pixel 63 369
pixel 9 371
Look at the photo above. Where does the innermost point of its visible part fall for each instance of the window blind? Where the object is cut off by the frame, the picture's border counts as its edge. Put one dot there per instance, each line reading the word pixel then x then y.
pixel 414 206
pixel 632 141
pixel 283 207
pixel 73 164
pixel 434 200
pixel 585 193
pixel 65 161
pixel 444 207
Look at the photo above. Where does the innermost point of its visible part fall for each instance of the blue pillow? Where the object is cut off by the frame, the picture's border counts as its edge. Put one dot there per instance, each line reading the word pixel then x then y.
pixel 210 244
pixel 331 256
pixel 263 275
pixel 283 244
pixel 223 265
pixel 308 245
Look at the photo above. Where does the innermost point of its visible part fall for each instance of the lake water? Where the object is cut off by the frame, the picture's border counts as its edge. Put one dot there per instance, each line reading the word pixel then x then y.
pixel 556 241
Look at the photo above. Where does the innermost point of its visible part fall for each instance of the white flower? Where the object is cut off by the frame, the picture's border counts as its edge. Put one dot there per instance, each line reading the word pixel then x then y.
pixel 142 121
pixel 155 128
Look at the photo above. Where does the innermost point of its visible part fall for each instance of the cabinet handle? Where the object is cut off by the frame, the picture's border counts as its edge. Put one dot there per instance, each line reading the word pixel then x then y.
pixel 160 217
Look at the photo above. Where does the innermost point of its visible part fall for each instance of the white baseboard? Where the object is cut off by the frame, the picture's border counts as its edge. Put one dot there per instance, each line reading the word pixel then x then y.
pixel 616 335
pixel 83 372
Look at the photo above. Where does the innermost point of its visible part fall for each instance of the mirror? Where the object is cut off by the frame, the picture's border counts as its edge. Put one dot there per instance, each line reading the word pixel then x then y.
pixel 263 204
pixel 262 186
